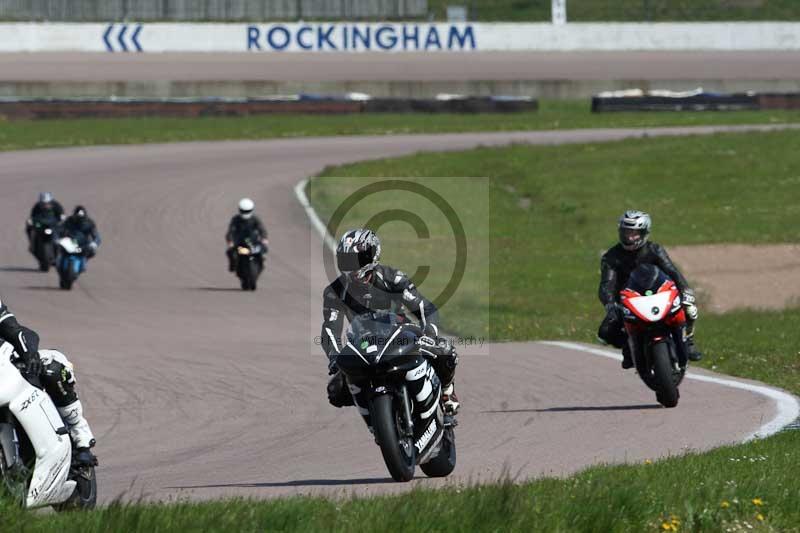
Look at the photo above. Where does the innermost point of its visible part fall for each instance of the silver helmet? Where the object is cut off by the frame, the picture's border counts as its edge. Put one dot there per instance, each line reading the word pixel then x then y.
pixel 634 228
pixel 358 253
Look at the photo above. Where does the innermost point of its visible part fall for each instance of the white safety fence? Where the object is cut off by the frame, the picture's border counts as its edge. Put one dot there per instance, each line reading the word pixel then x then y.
pixel 394 37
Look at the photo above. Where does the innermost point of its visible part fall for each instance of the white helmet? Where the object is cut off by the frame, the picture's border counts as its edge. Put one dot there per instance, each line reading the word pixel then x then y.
pixel 246 206
pixel 634 227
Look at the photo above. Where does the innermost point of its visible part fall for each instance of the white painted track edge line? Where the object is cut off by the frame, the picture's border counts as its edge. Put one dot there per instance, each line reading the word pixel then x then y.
pixel 787 404
pixel 313 217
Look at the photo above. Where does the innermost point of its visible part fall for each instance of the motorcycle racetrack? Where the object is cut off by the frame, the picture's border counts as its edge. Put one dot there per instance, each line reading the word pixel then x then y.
pixel 198 390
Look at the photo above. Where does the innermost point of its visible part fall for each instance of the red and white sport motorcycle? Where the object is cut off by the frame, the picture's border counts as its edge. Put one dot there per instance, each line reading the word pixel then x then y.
pixel 655 322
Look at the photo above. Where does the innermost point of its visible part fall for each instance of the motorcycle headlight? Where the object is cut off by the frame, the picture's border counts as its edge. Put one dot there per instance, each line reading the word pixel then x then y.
pixel 243 250
pixel 48 231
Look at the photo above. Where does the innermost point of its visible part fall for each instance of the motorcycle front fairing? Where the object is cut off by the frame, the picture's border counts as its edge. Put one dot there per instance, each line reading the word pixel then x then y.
pixel 382 357
pixel 653 313
pixel 379 357
pixel 36 414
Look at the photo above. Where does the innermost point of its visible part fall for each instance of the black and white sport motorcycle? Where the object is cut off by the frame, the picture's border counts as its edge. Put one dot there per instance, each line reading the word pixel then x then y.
pixel 385 369
pixel 36 453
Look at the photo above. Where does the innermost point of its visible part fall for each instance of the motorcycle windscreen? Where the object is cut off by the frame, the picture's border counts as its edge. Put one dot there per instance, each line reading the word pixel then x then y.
pixel 353 362
pixel 646 278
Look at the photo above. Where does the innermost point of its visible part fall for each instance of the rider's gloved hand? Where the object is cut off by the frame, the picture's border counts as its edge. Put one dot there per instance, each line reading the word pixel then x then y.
pixel 687 296
pixel 612 310
pixel 430 336
pixel 687 300
pixel 33 363
pixel 431 330
pixel 332 368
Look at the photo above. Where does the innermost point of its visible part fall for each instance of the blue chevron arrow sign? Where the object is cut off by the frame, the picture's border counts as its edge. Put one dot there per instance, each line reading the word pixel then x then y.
pixel 119 44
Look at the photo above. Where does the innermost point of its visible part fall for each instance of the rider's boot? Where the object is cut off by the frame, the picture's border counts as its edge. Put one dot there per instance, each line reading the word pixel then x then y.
pixel 627 359
pixel 450 400
pixel 80 432
pixel 338 393
pixel 691 350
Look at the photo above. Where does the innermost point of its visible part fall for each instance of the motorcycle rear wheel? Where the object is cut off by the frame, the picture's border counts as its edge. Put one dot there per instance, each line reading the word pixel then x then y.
pixel 445 462
pixel 399 455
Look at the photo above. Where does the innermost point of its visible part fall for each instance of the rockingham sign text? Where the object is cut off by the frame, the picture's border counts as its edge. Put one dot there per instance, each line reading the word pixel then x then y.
pixel 397 37
pixel 360 37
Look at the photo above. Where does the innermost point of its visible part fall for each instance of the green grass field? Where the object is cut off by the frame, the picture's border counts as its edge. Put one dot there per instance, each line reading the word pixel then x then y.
pixel 20 135
pixel 626 10
pixel 550 212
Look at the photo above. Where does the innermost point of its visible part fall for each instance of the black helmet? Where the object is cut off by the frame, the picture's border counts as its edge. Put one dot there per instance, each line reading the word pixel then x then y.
pixel 358 253
pixel 79 211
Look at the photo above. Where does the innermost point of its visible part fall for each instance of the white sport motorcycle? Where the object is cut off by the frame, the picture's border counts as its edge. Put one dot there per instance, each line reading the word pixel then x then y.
pixel 36 464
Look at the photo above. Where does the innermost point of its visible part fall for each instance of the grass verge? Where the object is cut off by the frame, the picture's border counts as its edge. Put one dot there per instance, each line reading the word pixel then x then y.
pixel 743 488
pixel 20 135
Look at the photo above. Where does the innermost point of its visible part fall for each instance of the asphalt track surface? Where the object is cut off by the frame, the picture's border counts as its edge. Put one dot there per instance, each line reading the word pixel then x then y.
pixel 375 67
pixel 198 390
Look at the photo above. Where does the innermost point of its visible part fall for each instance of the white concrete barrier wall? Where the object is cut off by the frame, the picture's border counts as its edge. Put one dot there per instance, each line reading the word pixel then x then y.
pixel 394 37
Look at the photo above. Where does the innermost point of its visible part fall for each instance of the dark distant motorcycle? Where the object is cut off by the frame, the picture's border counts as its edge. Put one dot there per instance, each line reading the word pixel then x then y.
pixel 249 263
pixel 71 259
pixel 43 244
pixel 655 322
pixel 382 360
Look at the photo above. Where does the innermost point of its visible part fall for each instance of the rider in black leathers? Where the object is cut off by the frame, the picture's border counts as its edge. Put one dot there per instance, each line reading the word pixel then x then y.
pixel 47 209
pixel 243 225
pixel 54 373
pixel 616 265
pixel 81 226
pixel 365 285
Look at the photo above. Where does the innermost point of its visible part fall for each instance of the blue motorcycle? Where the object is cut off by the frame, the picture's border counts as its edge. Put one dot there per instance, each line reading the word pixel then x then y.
pixel 71 259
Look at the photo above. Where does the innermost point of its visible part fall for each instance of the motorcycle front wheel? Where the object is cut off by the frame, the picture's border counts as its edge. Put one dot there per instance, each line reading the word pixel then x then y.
pixel 85 495
pixel 663 373
pixel 399 454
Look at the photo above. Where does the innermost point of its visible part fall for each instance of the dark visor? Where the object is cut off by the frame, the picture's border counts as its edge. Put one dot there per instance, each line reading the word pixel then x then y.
pixel 350 261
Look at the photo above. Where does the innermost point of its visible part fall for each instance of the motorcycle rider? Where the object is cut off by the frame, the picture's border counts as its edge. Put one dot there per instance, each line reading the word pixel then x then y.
pixel 45 210
pixel 52 370
pixel 616 265
pixel 366 285
pixel 78 225
pixel 243 225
